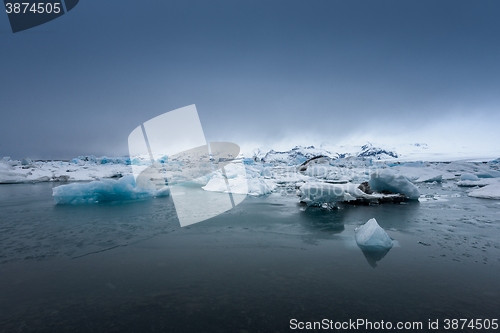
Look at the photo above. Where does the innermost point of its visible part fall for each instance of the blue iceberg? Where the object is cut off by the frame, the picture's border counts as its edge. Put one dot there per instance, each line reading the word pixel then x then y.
pixel 371 236
pixel 387 180
pixel 373 241
pixel 104 191
pixel 469 176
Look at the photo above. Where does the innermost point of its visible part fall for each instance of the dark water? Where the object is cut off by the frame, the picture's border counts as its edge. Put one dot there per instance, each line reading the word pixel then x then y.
pixel 129 267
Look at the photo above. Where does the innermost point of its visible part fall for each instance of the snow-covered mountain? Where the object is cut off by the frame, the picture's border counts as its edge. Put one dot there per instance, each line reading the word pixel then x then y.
pixel 294 156
pixel 301 154
pixel 369 150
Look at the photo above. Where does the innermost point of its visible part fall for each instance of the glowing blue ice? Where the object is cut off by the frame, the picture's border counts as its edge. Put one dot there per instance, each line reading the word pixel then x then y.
pixel 104 190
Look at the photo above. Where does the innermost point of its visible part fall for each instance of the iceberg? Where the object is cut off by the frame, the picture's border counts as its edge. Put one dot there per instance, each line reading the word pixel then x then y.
pixel 429 178
pixel 479 182
pixel 105 190
pixel 469 176
pixel 240 185
pixel 421 175
pixel 26 161
pixel 317 193
pixel 488 174
pixel 371 236
pixel 488 192
pixel 387 180
pixel 373 241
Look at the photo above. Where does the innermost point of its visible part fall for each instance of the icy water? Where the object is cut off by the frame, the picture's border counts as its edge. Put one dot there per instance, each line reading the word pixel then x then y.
pixel 129 267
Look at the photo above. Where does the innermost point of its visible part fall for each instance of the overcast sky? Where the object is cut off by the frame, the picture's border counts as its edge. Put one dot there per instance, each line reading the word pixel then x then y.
pixel 259 72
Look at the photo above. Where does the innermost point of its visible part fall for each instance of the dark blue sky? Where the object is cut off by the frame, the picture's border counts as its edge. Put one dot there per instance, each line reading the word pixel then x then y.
pixel 260 72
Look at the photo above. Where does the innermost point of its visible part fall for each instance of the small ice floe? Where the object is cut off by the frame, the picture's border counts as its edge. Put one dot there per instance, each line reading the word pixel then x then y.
pixel 488 174
pixel 488 192
pixel 373 241
pixel 371 236
pixel 469 176
pixel 420 172
pixel 241 185
pixel 388 180
pixel 478 182
pixel 429 178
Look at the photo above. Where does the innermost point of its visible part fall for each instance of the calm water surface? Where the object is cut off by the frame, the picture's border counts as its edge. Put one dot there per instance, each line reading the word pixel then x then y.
pixel 129 267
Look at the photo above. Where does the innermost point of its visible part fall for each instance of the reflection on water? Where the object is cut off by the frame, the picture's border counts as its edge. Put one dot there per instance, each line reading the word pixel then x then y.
pixel 129 267
pixel 322 221
pixel 372 256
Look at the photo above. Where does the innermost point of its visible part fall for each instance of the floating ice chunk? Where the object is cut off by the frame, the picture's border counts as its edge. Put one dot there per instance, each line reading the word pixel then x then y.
pixel 216 185
pixel 429 178
pixel 257 187
pixel 104 190
pixel 479 182
pixel 423 174
pixel 234 170
pixel 387 180
pixel 241 185
pixel 373 241
pixel 488 192
pixel 26 161
pixel 488 174
pixel 469 176
pixel 316 193
pixel 370 236
pixel 9 175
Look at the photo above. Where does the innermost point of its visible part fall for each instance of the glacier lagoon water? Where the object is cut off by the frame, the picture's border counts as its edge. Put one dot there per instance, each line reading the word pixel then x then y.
pixel 129 267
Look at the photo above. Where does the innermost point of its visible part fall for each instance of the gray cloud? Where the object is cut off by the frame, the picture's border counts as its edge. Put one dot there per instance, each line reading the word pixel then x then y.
pixel 257 71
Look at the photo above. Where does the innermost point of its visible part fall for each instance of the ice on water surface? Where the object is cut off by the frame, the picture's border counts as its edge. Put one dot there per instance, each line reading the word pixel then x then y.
pixel 316 193
pixel 469 176
pixel 373 241
pixel 104 190
pixel 371 236
pixel 240 185
pixel 388 180
pixel 488 192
